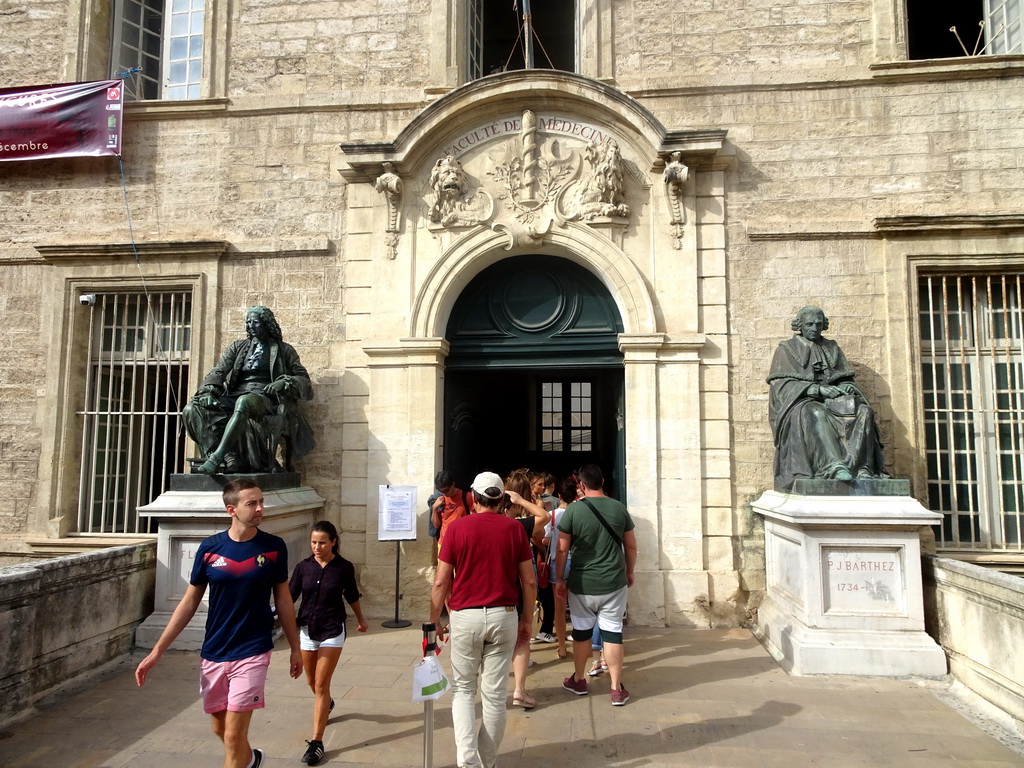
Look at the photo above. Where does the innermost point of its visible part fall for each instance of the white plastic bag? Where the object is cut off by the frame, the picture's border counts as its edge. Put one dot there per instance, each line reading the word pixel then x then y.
pixel 428 679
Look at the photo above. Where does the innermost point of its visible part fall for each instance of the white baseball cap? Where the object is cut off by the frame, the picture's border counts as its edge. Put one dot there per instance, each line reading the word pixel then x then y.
pixel 488 484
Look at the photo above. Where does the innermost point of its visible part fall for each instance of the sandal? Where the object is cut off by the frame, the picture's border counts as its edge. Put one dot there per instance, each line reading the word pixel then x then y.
pixel 523 700
pixel 597 668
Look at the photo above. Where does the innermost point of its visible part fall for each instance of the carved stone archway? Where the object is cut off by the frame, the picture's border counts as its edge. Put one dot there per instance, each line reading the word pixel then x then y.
pixel 652 254
pixel 583 245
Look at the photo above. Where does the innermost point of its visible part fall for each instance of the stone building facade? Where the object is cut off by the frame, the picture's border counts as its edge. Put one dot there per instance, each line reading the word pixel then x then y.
pixel 440 246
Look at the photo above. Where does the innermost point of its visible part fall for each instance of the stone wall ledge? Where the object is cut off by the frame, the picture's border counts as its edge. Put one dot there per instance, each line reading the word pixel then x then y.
pixel 65 617
pixel 961 599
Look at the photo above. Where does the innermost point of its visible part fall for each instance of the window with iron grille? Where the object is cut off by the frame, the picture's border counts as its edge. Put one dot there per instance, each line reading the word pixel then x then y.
pixel 566 416
pixel 132 438
pixel 164 39
pixel 972 373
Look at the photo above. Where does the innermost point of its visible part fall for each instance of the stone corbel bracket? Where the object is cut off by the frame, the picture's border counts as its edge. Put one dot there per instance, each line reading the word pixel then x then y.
pixel 376 164
pixel 681 154
pixel 389 184
pixel 675 175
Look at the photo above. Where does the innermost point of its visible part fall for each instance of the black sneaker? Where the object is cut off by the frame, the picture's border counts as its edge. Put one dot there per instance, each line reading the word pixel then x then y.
pixel 257 758
pixel 313 753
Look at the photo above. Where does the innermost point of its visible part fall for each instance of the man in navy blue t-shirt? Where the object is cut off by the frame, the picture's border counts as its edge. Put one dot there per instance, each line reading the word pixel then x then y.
pixel 243 566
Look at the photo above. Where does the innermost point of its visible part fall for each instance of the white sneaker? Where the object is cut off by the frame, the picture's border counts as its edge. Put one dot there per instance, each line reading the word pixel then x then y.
pixel 546 637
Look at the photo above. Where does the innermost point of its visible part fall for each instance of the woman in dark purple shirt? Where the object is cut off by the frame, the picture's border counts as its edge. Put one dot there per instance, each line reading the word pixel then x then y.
pixel 325 580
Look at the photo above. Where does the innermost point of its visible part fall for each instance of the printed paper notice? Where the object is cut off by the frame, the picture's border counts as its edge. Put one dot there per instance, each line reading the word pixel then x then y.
pixel 397 519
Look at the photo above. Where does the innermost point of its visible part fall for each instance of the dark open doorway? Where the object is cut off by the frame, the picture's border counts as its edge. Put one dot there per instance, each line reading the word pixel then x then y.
pixel 534 377
pixel 496 420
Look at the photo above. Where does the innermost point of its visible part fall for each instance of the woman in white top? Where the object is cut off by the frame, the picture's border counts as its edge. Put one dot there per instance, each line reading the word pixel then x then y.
pixel 519 504
pixel 567 492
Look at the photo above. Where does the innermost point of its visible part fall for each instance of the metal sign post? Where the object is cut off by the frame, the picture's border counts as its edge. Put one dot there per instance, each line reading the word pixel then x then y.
pixel 429 646
pixel 396 522
pixel 397 623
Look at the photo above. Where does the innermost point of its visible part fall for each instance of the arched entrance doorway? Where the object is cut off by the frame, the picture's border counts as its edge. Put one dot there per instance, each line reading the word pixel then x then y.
pixel 451 381
pixel 534 375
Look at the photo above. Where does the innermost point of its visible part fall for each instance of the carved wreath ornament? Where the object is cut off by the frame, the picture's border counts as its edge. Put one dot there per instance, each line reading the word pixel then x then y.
pixel 531 181
pixel 537 183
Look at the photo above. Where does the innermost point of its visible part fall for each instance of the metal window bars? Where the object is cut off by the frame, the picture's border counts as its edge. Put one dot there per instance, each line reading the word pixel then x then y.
pixel 973 388
pixel 137 379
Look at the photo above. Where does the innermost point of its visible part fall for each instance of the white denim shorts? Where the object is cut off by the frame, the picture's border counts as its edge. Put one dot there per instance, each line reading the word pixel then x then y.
pixel 306 643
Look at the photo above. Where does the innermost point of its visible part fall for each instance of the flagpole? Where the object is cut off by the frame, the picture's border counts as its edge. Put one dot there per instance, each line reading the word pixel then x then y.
pixel 527 34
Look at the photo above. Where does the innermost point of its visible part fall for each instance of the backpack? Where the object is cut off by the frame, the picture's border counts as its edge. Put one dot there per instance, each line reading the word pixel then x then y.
pixel 431 530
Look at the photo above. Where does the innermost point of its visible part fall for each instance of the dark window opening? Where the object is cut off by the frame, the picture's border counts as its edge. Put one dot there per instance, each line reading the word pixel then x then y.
pixel 929 25
pixel 496 36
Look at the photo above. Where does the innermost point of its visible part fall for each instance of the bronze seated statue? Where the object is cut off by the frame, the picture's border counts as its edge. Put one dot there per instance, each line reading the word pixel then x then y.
pixel 822 424
pixel 248 404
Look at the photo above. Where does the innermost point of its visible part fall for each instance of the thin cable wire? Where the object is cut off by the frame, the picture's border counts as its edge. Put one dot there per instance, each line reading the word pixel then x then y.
pixel 512 52
pixel 543 50
pixel 519 38
pixel 128 213
pixel 145 290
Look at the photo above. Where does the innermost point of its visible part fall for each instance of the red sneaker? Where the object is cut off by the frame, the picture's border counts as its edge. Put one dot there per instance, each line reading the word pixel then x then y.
pixel 571 684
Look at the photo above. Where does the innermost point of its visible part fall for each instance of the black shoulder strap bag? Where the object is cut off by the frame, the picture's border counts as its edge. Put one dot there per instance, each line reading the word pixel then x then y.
pixel 603 522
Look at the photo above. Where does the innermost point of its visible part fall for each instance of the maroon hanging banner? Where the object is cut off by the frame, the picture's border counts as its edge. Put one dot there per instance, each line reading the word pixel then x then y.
pixel 70 120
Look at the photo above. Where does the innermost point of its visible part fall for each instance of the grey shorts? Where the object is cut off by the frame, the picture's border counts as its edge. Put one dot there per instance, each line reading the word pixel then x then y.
pixel 606 611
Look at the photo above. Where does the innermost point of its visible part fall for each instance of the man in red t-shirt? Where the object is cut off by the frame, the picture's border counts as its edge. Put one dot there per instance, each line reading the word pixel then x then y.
pixel 484 563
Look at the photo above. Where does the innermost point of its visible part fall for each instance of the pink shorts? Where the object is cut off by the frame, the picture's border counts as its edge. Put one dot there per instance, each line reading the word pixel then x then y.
pixel 236 686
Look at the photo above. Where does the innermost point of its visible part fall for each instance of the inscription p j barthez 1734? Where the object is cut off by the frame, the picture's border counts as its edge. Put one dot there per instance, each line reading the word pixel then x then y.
pixel 864 580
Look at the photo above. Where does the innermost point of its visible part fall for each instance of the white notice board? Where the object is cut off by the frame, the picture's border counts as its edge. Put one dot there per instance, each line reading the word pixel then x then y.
pixel 396 518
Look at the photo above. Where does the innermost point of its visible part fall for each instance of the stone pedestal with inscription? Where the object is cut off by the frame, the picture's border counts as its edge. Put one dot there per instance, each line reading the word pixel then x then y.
pixel 186 517
pixel 844 585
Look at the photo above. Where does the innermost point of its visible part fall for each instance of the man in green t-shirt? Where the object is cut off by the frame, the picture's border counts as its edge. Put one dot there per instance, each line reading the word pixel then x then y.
pixel 598 531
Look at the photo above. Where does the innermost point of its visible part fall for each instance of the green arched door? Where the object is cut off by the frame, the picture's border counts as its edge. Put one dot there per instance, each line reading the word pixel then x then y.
pixel 534 376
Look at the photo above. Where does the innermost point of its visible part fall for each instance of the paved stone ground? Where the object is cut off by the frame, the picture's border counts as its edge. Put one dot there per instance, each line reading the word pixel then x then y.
pixel 710 698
